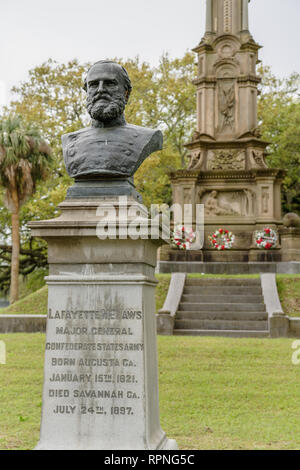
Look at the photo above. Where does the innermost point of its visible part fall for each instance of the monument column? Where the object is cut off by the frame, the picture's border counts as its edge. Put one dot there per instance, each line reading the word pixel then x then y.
pixel 245 16
pixel 209 18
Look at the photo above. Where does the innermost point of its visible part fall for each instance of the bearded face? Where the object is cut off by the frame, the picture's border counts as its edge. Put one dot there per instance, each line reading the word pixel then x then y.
pixel 106 93
pixel 103 107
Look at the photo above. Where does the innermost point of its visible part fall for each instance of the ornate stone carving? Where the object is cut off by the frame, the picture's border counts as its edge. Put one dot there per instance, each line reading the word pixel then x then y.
pixel 195 160
pixel 212 206
pixel 265 197
pixel 226 160
pixel 241 202
pixel 187 196
pixel 227 107
pixel 227 16
pixel 249 206
pixel 196 136
pixel 258 158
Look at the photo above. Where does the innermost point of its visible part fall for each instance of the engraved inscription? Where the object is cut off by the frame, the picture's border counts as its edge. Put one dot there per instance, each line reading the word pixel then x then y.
pixel 90 369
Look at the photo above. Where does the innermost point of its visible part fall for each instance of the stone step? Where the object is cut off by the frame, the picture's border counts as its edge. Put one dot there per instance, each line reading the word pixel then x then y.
pixel 220 325
pixel 241 316
pixel 226 307
pixel 222 282
pixel 222 298
pixel 224 333
pixel 211 290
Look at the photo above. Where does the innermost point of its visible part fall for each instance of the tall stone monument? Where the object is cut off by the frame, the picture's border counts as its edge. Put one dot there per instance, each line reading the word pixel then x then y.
pixel 100 381
pixel 227 171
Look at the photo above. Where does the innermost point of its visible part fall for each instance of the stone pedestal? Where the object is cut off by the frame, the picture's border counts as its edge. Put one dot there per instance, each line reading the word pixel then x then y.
pixel 290 242
pixel 265 256
pixel 101 382
pixel 239 201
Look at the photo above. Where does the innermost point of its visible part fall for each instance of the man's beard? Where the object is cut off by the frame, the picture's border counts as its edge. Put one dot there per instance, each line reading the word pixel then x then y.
pixel 106 111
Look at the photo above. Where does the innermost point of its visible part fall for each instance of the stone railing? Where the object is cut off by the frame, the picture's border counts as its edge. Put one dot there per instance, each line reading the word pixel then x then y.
pixel 166 316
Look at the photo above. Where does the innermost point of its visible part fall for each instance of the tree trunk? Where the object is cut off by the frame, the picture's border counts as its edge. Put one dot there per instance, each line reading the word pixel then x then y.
pixel 15 255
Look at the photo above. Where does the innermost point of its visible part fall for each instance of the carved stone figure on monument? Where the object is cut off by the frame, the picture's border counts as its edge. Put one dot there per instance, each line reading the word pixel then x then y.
pixel 110 147
pixel 227 105
pixel 265 201
pixel 212 206
pixel 250 201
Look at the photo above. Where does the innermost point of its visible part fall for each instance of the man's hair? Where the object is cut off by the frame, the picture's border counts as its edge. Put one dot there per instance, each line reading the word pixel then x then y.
pixel 123 72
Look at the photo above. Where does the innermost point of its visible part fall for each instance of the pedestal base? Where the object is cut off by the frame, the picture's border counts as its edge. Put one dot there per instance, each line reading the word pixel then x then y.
pixel 166 444
pixel 100 376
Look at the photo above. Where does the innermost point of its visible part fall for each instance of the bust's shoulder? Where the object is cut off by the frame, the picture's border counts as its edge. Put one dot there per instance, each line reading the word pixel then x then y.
pixel 145 135
pixel 131 128
pixel 75 134
pixel 106 151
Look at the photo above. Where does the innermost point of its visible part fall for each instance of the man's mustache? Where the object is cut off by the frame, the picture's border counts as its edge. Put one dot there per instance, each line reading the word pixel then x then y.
pixel 100 96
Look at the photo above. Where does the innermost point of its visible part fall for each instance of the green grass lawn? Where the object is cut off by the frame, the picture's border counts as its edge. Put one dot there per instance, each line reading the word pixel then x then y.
pixel 215 393
pixel 289 293
pixel 36 303
pixel 288 289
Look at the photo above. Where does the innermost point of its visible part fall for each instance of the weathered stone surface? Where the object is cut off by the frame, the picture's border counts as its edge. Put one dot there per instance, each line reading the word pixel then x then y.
pixel 101 381
pixel 290 242
pixel 166 316
pixel 228 267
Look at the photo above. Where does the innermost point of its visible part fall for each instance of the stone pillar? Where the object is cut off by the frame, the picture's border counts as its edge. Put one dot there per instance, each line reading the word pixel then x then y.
pixel 209 17
pixel 290 243
pixel 245 15
pixel 101 381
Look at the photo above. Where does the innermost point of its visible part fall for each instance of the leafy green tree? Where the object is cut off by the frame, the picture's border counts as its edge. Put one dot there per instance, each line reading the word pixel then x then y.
pixel 24 160
pixel 279 117
pixel 176 101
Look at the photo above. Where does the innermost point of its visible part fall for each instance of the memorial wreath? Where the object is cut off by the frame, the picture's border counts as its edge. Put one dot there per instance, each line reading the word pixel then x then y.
pixel 183 237
pixel 222 239
pixel 266 239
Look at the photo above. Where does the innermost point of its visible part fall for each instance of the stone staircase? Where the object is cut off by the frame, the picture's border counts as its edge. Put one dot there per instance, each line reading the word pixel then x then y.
pixel 222 307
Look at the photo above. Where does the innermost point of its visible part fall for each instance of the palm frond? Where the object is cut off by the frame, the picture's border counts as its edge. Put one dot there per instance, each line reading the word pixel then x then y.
pixel 25 159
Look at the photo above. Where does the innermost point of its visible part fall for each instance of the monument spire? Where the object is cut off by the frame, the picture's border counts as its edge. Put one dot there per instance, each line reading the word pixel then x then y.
pixel 209 26
pixel 226 17
pixel 245 16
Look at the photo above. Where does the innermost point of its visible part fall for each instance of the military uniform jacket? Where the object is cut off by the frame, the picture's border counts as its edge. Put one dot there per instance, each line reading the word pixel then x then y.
pixel 115 151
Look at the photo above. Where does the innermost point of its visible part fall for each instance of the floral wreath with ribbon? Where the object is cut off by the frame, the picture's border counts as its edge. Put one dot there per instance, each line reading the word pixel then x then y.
pixel 183 237
pixel 222 239
pixel 266 239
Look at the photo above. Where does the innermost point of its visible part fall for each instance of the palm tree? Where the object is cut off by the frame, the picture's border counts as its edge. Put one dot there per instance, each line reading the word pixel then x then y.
pixel 25 159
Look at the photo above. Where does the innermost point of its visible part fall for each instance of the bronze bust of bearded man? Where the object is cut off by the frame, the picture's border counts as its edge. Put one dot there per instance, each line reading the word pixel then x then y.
pixel 110 148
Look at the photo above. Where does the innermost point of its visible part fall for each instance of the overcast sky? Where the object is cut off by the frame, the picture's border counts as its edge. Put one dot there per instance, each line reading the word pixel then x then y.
pixel 31 31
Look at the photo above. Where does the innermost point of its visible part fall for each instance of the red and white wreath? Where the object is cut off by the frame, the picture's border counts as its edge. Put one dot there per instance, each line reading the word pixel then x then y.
pixel 266 239
pixel 183 237
pixel 222 239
